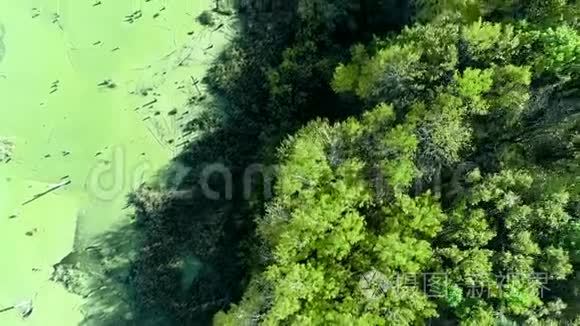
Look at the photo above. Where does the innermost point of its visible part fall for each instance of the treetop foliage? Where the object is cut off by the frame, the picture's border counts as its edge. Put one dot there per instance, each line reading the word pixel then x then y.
pixel 436 181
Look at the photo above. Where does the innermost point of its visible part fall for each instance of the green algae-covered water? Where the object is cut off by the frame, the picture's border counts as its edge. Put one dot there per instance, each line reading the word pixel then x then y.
pixel 93 97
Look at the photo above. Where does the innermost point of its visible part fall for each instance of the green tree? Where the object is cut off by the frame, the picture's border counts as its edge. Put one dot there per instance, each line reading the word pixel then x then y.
pixel 364 200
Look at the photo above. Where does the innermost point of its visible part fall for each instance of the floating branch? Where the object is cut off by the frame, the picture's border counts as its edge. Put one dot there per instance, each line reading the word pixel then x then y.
pixel 51 189
pixel 24 308
pixel 6 309
pixel 153 101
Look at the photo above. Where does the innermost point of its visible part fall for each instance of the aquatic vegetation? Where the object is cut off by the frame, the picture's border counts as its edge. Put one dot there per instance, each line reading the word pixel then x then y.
pixel 6 149
pixel 206 18
pixel 61 111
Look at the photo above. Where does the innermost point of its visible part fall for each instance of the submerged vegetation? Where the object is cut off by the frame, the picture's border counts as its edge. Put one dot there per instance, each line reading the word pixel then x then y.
pixel 6 150
pixel 427 170
pixel 206 18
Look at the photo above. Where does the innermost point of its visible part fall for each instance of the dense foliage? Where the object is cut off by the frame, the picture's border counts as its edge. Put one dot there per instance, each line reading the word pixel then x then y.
pixel 453 197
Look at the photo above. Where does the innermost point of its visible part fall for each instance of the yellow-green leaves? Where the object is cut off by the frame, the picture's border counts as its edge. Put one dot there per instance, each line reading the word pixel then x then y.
pixel 306 164
pixel 561 51
pixel 364 73
pixel 462 10
pixel 520 295
pixel 420 217
pixel 477 313
pixel 556 262
pixel 551 211
pixel 443 131
pixel 380 117
pixel 398 145
pixel 510 92
pixel 295 284
pixel 400 141
pixel 522 243
pixel 469 228
pixel 469 267
pixel 347 77
pixel 490 43
pixel 472 85
pixel 402 254
pixel 438 46
pixel 496 187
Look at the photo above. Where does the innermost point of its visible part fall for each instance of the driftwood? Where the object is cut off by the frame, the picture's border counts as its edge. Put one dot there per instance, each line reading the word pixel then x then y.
pixel 24 308
pixel 7 309
pixel 51 189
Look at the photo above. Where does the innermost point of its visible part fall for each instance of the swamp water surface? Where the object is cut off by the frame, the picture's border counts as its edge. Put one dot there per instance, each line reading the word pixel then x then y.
pixel 93 97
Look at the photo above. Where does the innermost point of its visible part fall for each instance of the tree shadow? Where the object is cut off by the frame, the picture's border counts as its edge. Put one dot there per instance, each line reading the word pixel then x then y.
pixel 99 273
pixel 186 256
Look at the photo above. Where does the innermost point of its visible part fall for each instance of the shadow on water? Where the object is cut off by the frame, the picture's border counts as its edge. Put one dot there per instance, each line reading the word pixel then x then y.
pixel 183 257
pixel 100 274
pixel 186 256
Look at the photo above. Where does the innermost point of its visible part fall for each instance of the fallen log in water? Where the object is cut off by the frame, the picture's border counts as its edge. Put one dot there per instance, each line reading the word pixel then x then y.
pixel 24 308
pixel 51 189
pixel 7 309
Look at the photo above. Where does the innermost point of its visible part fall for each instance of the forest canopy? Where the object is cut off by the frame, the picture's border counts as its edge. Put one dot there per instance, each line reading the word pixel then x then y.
pixel 452 196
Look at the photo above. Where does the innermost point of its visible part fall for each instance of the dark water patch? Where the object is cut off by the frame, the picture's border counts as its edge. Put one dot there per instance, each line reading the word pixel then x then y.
pixel 101 274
